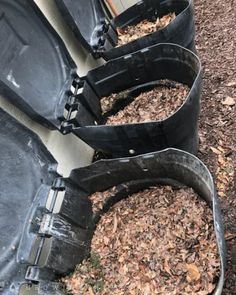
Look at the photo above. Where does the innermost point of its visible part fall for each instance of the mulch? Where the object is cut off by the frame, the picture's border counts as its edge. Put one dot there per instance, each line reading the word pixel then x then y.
pixel 143 28
pixel 153 105
pixel 216 45
pixel 158 241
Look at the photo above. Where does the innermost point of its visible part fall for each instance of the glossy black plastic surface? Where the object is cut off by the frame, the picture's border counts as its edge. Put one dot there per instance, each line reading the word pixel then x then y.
pixel 36 71
pixel 45 96
pixel 87 20
pixel 29 222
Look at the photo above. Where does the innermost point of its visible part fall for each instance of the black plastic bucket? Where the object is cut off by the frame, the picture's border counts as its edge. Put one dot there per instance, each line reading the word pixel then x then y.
pixel 162 61
pixel 171 167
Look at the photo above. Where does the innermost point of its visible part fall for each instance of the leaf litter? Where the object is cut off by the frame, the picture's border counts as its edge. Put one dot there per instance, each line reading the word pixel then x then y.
pixel 215 41
pixel 156 104
pixel 157 241
pixel 144 28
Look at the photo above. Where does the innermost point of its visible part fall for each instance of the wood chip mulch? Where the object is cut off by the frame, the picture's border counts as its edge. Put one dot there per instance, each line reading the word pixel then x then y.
pixel 158 241
pixel 216 45
pixel 156 104
pixel 143 28
pixel 108 102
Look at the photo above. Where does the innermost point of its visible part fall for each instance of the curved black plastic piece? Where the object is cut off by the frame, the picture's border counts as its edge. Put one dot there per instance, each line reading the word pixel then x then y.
pixel 27 176
pixel 180 31
pixel 162 61
pixel 25 167
pixel 36 71
pixel 172 167
pixel 86 18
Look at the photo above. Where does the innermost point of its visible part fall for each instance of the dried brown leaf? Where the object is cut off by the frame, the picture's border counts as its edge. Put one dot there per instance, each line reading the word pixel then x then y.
pixel 216 151
pixel 193 273
pixel 144 254
pixel 167 267
pixel 230 84
pixel 156 104
pixel 230 101
pixel 115 224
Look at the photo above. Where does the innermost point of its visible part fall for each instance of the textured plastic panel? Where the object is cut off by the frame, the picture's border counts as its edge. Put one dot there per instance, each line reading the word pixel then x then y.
pixel 27 179
pixel 36 71
pixel 25 166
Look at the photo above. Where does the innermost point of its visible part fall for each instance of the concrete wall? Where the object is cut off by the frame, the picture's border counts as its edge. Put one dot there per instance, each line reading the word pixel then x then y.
pixel 123 4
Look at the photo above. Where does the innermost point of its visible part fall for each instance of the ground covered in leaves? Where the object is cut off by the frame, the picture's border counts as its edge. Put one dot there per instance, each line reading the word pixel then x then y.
pixel 143 28
pixel 216 45
pixel 158 241
pixel 153 105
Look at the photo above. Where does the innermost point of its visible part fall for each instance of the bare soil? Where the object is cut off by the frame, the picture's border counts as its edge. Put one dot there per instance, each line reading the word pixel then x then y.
pixel 144 28
pixel 158 241
pixel 154 105
pixel 216 45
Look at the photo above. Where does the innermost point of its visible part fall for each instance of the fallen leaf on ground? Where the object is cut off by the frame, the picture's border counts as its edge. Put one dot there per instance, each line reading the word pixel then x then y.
pixel 230 101
pixel 115 224
pixel 230 84
pixel 193 273
pixel 216 151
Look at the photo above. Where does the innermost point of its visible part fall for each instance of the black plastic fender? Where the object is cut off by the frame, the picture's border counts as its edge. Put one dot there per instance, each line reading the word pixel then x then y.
pixel 162 61
pixel 180 31
pixel 88 21
pixel 36 71
pixel 30 188
pixel 170 166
